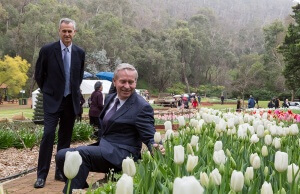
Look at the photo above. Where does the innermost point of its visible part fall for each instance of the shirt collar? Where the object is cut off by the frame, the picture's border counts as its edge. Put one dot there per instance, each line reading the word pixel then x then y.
pixel 62 46
pixel 121 101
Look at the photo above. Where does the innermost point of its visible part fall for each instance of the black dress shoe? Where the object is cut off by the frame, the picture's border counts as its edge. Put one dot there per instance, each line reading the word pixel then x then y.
pixel 40 183
pixel 59 176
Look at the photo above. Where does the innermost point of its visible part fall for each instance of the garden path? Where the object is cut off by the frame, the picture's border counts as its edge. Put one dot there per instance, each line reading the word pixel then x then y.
pixel 24 185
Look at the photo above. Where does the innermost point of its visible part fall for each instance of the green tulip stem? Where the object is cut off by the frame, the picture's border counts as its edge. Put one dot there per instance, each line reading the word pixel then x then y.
pixel 280 182
pixel 69 185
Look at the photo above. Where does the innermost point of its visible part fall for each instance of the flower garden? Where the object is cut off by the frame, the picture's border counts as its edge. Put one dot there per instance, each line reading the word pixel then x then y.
pixel 219 152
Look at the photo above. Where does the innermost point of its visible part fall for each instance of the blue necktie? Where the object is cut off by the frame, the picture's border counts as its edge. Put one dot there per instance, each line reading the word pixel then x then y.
pixel 111 112
pixel 67 71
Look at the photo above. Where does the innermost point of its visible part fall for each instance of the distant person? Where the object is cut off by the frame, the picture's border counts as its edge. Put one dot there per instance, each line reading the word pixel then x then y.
pixel 222 99
pixel 271 104
pixel 238 105
pixel 286 103
pixel 199 100
pixel 82 101
pixel 58 73
pixel 194 103
pixel 179 103
pixel 256 101
pixel 251 102
pixel 185 102
pixel 96 105
pixel 276 103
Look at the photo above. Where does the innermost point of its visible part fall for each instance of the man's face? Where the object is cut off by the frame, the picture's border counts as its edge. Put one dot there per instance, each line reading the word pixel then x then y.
pixel 125 83
pixel 66 33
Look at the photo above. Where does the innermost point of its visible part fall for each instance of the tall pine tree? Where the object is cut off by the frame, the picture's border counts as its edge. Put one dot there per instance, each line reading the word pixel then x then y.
pixel 291 52
pixel 38 114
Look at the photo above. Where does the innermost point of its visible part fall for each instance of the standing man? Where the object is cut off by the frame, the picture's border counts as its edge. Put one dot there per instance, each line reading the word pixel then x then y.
pixel 222 99
pixel 127 121
pixel 58 73
pixel 251 102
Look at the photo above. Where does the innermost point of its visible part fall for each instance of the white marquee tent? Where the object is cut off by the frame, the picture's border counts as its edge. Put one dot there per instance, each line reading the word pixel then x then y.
pixel 87 87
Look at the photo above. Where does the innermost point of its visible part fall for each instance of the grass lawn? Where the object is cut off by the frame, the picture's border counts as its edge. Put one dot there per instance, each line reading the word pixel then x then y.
pixel 27 113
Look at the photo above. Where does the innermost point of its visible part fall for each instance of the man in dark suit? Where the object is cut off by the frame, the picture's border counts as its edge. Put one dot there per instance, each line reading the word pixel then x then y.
pixel 121 133
pixel 58 73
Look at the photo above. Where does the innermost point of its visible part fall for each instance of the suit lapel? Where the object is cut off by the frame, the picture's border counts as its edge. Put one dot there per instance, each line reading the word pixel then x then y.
pixel 58 56
pixel 121 111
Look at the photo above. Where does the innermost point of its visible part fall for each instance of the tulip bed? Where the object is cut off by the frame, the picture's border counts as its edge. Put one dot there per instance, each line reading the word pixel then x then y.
pixel 252 152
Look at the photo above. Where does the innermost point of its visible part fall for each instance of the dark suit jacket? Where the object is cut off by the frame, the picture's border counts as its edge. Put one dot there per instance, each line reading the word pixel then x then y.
pixel 50 76
pixel 131 125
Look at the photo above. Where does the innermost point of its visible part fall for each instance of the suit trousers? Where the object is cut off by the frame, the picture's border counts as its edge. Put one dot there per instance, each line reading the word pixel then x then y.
pixel 65 116
pixel 92 160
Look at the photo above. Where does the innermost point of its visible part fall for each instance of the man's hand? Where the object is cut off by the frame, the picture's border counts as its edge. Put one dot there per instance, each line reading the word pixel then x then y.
pixel 160 147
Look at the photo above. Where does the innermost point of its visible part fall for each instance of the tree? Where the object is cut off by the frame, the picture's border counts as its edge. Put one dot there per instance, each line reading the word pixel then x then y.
pixel 13 73
pixel 273 61
pixel 97 61
pixel 291 53
pixel 248 73
pixel 38 113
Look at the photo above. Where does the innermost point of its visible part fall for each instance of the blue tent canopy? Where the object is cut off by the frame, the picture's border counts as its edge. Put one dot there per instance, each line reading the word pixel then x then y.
pixel 105 75
pixel 87 75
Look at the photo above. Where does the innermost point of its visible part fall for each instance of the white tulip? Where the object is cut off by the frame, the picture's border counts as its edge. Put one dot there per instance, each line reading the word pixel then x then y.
pixel 215 177
pixel 281 161
pixel 260 131
pixel 169 134
pixel 249 174
pixel 128 167
pixel 157 137
pixel 276 143
pixel 264 151
pixel 252 157
pixel 266 188
pixel 72 163
pixel 124 185
pixel 292 173
pixel 256 162
pixel 254 138
pixel 181 121
pixel 219 157
pixel 188 185
pixel 268 139
pixel 294 130
pixel 230 123
pixel 178 154
pixel 168 125
pixel 194 140
pixel 237 181
pixel 191 163
pixel 218 146
pixel 204 179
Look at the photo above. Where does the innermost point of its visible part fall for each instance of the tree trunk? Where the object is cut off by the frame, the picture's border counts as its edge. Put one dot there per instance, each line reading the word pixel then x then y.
pixel 185 78
pixel 293 95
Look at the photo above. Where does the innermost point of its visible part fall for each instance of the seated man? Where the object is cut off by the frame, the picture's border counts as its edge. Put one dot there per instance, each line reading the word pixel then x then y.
pixel 121 133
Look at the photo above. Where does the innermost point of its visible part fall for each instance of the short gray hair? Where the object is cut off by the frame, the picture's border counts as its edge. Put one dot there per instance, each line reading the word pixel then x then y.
pixel 67 21
pixel 124 66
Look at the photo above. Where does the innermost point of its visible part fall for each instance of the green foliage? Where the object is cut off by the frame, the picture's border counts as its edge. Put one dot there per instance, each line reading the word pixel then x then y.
pixel 82 131
pixel 27 135
pixel 195 49
pixel 177 88
pixel 263 94
pixel 19 135
pixel 291 52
